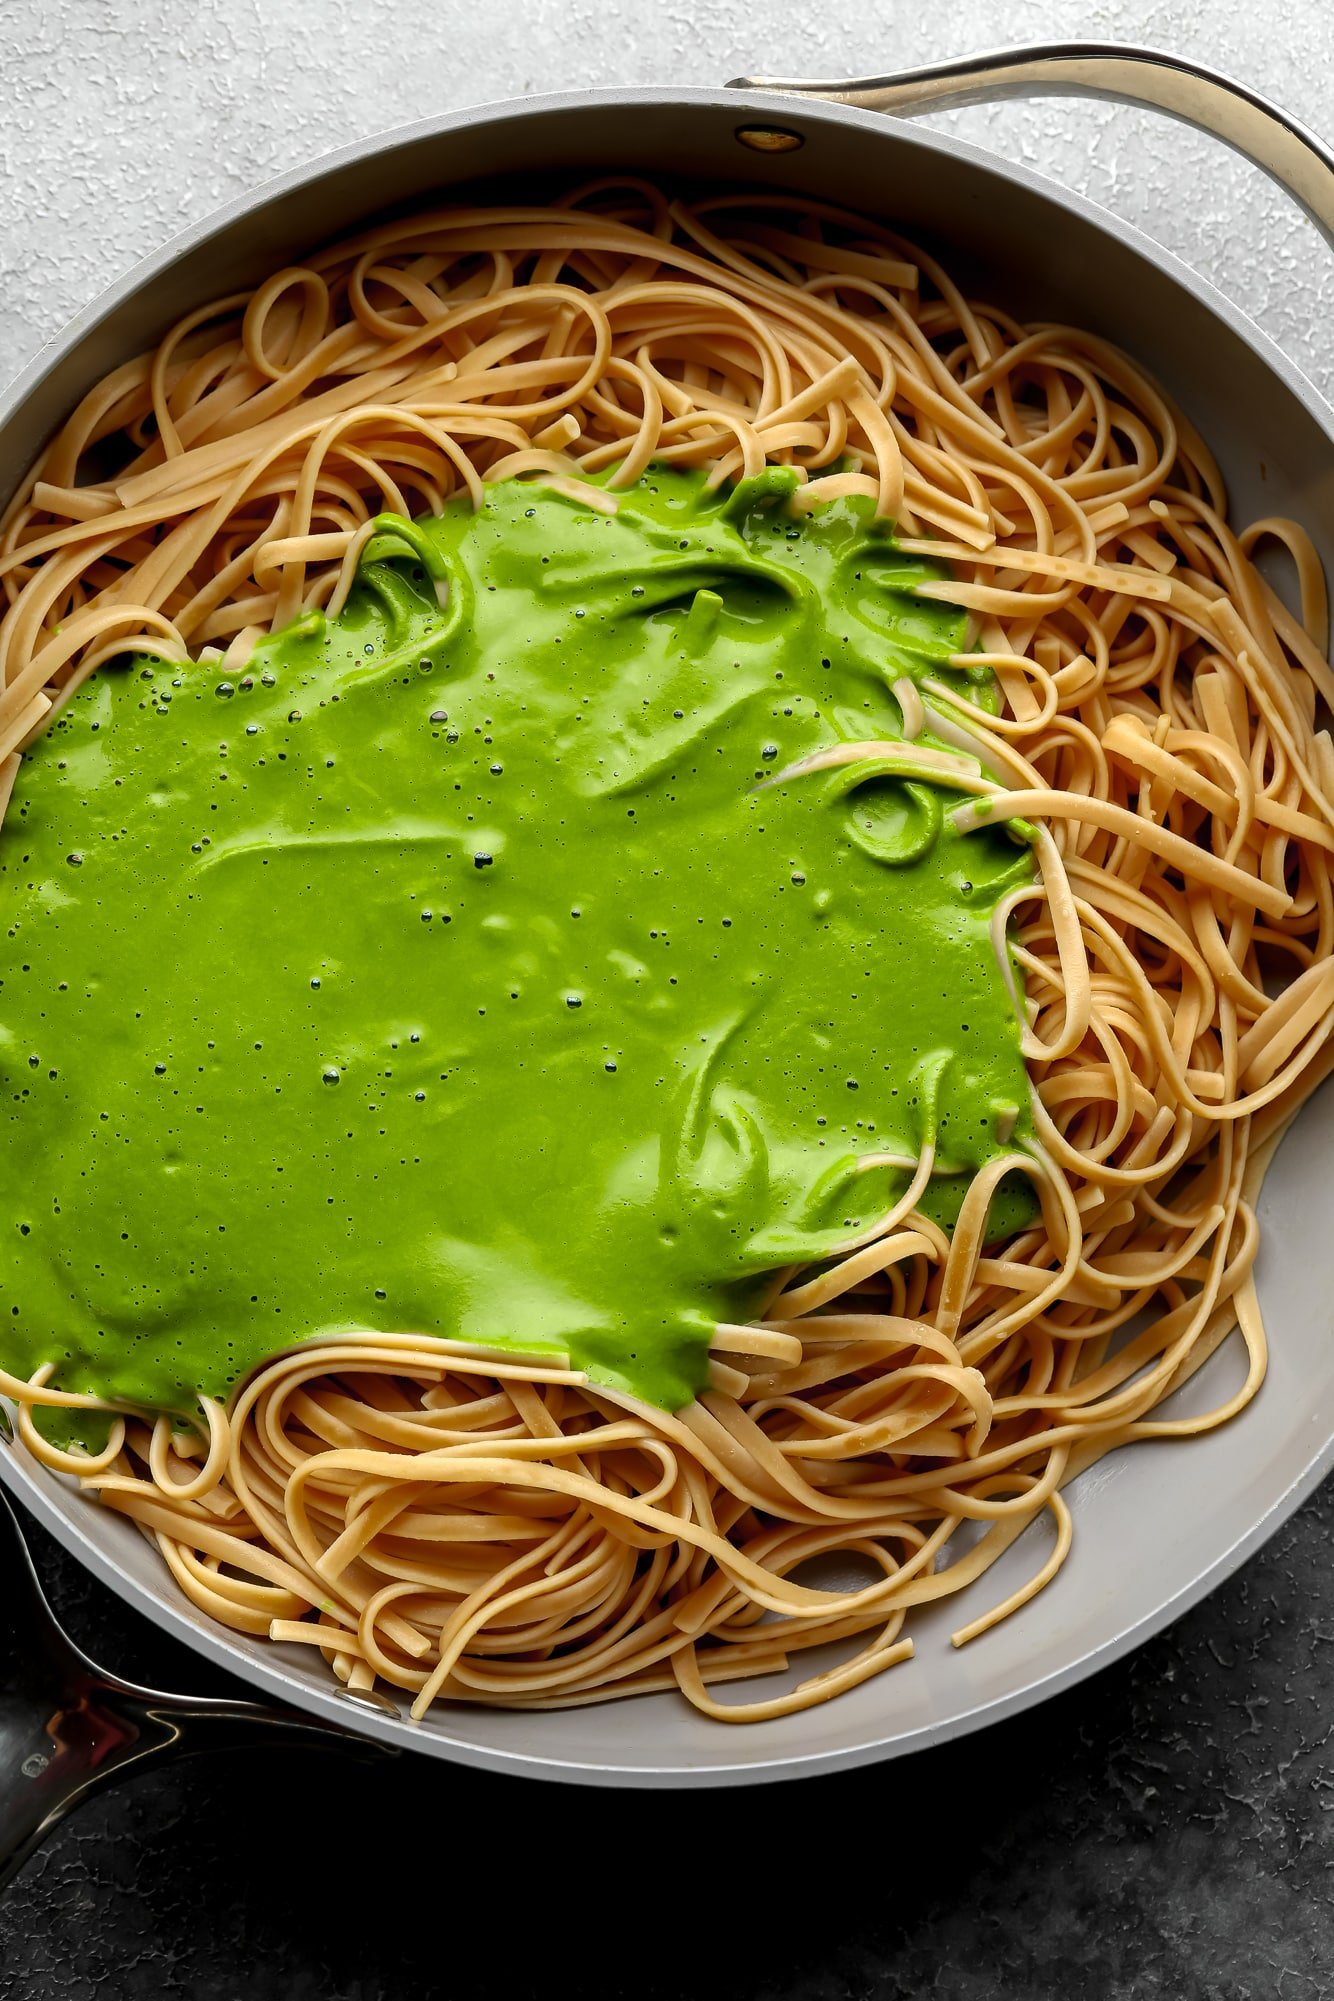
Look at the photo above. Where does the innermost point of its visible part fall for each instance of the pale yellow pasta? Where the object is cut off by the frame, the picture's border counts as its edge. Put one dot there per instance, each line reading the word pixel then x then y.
pixel 475 1527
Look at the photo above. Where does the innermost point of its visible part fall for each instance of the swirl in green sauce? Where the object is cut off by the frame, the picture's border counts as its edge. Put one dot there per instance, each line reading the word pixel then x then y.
pixel 456 971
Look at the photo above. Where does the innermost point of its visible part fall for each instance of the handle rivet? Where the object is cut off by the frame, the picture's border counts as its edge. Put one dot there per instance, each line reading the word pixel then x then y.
pixel 770 138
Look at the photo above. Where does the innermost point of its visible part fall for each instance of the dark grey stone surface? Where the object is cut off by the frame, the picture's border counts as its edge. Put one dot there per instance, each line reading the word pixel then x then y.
pixel 1166 1830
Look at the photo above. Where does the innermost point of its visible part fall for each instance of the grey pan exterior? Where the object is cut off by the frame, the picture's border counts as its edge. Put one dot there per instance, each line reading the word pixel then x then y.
pixel 1157 1527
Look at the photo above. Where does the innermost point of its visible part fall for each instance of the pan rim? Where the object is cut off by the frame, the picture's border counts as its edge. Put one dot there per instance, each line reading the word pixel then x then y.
pixel 36 1488
pixel 269 1677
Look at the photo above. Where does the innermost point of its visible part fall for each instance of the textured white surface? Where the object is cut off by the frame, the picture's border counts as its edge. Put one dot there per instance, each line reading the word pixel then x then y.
pixel 122 120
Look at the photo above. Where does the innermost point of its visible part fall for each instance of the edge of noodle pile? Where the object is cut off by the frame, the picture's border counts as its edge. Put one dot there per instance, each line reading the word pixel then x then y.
pixel 465 1525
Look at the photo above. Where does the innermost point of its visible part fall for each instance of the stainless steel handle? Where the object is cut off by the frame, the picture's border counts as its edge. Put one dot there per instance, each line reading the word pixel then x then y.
pixel 68 1728
pixel 1260 131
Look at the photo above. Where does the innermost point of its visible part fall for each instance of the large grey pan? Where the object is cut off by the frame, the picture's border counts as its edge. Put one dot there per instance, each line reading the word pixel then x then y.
pixel 1160 1525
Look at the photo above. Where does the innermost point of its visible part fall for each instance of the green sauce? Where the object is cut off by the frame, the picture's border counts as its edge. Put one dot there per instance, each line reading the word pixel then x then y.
pixel 455 970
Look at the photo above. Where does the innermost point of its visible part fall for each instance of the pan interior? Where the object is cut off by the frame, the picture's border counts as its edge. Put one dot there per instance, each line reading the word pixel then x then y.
pixel 1043 255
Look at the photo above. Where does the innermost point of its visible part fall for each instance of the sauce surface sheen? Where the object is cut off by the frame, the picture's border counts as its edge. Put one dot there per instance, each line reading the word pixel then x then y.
pixel 454 970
